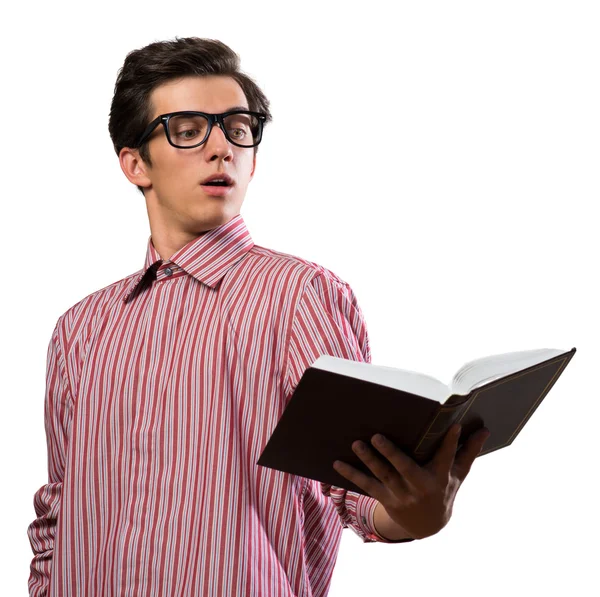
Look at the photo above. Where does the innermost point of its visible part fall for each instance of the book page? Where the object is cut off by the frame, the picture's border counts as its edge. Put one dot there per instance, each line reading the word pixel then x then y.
pixel 481 371
pixel 400 379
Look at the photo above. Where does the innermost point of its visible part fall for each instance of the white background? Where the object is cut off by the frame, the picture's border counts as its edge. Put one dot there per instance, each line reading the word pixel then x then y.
pixel 441 157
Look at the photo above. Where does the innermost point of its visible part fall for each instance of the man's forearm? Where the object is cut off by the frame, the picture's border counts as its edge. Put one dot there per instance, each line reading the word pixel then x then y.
pixel 386 527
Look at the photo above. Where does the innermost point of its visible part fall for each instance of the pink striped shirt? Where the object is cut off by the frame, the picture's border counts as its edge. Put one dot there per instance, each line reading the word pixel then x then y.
pixel 162 390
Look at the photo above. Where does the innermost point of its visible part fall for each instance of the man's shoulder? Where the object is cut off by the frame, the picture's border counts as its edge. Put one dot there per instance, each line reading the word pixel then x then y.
pixel 93 305
pixel 302 269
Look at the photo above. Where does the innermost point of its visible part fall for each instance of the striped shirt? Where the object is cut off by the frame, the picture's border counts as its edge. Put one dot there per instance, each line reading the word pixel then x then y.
pixel 162 390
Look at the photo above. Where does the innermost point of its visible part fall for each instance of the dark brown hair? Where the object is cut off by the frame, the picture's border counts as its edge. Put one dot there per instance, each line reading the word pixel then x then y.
pixel 146 68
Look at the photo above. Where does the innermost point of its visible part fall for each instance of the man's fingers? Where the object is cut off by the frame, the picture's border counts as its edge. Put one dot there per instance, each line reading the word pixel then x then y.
pixel 467 454
pixel 444 457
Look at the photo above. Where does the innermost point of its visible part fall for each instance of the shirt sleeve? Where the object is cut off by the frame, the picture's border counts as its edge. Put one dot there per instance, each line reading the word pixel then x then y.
pixel 328 320
pixel 57 421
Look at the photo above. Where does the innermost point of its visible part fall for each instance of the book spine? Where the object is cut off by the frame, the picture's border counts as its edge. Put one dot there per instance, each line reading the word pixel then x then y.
pixel 435 431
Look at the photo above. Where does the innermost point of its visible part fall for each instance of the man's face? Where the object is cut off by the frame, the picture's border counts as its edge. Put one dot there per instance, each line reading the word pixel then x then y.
pixel 177 204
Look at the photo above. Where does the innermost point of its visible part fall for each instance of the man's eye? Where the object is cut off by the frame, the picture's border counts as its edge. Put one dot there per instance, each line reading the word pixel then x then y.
pixel 183 134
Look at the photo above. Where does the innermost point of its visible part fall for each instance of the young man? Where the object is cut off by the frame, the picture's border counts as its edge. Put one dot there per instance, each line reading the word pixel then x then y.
pixel 164 387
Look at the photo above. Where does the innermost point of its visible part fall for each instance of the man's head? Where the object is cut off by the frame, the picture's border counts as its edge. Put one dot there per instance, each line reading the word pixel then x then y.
pixel 189 74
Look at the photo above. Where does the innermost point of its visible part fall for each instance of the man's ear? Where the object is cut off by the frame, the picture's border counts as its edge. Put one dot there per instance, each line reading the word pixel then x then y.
pixel 134 167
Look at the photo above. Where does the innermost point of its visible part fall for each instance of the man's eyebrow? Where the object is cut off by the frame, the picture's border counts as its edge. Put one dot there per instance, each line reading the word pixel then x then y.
pixel 228 109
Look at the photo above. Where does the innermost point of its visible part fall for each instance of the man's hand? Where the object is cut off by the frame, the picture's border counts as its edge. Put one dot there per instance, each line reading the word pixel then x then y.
pixel 419 499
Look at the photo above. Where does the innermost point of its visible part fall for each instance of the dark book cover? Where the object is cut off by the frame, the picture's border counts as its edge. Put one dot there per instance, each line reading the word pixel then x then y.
pixel 328 411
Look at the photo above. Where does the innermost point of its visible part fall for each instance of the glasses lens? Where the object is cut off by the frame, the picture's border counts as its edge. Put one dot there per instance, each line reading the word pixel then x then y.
pixel 188 130
pixel 243 128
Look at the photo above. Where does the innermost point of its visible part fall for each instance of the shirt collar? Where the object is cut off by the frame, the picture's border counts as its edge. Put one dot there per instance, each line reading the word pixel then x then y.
pixel 208 257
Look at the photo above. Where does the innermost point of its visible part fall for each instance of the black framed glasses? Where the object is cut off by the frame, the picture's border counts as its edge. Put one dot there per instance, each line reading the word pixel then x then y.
pixel 189 129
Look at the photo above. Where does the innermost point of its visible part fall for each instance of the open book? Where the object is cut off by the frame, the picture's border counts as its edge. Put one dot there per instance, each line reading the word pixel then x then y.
pixel 338 401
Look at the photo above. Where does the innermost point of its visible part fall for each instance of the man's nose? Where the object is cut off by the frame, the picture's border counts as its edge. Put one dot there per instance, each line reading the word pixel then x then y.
pixel 221 133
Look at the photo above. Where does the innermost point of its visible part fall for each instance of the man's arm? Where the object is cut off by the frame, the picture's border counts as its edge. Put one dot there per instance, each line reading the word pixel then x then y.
pixel 57 420
pixel 328 320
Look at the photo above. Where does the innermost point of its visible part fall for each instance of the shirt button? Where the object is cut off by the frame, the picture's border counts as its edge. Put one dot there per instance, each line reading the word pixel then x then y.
pixel 168 271
pixel 364 520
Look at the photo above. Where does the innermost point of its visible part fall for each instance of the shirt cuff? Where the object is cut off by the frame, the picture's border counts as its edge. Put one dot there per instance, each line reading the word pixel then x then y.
pixel 365 516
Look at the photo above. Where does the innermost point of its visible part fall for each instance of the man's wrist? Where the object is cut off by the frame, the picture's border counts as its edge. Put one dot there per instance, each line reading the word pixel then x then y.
pixel 386 527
